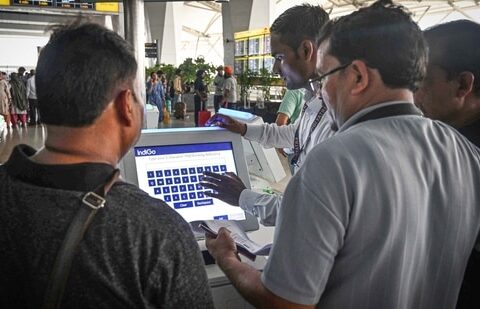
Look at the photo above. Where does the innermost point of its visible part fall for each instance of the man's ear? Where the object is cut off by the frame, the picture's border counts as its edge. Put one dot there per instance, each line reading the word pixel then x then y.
pixel 360 78
pixel 306 49
pixel 465 82
pixel 124 106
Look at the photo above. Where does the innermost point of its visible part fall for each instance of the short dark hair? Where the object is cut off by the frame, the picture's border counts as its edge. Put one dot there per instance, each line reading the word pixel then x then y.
pixel 455 47
pixel 79 72
pixel 386 38
pixel 199 73
pixel 298 23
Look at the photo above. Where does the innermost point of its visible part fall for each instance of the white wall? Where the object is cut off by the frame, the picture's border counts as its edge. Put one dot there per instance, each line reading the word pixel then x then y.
pixel 16 51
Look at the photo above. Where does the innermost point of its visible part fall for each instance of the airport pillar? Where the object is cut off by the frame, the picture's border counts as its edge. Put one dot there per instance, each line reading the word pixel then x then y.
pixel 134 22
pixel 236 18
pixel 261 14
pixel 162 18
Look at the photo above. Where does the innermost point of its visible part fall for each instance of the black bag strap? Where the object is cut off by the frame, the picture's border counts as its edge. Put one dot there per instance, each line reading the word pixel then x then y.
pixel 91 202
pixel 389 111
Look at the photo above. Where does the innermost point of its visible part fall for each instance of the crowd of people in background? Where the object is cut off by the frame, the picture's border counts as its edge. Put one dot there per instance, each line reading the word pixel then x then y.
pixel 19 107
pixel 167 95
pixel 18 99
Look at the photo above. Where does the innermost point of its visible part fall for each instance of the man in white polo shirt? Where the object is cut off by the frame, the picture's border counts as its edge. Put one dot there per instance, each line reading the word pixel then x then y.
pixel 385 213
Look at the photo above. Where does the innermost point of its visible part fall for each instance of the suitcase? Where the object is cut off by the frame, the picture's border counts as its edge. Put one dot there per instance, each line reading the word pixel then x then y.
pixel 180 108
pixel 203 116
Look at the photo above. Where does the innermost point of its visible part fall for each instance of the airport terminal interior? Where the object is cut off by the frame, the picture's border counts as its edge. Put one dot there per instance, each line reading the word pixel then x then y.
pixel 188 36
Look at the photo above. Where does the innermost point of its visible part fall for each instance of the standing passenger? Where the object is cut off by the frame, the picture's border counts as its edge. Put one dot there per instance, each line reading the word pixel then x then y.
pixel 288 113
pixel 201 95
pixel 451 93
pixel 218 82
pixel 137 252
pixel 177 86
pixel 155 95
pixel 5 99
pixel 34 115
pixel 19 105
pixel 229 89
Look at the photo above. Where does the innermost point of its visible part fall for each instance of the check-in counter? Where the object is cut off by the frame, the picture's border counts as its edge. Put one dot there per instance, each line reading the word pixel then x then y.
pixel 151 116
pixel 225 296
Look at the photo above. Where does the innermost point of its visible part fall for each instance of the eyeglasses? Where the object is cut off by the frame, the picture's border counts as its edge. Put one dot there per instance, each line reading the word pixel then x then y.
pixel 316 82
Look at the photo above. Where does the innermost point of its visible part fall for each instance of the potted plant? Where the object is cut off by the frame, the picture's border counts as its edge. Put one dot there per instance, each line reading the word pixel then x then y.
pixel 265 79
pixel 245 81
pixel 190 67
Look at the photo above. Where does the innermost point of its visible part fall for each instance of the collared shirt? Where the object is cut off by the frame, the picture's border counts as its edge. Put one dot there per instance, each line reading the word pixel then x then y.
pixel 230 84
pixel 31 89
pixel 271 135
pixel 376 218
pixel 266 206
pixel 218 82
pixel 81 177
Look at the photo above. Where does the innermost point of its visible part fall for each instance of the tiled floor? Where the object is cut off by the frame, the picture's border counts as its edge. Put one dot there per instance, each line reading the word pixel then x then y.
pixel 31 135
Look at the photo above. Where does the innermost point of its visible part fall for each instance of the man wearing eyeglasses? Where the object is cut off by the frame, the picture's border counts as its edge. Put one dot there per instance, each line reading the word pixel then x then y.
pixel 380 215
pixel 293 46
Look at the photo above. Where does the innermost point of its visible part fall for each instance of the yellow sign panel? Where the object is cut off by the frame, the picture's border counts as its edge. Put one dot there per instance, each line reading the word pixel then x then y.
pixel 4 2
pixel 249 33
pixel 106 6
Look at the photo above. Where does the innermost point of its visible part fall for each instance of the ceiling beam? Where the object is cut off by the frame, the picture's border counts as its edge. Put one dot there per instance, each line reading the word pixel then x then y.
pixel 212 6
pixel 194 32
pixel 196 6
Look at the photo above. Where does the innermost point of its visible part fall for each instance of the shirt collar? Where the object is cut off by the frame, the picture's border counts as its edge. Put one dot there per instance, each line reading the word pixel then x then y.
pixel 353 119
pixel 75 177
pixel 313 105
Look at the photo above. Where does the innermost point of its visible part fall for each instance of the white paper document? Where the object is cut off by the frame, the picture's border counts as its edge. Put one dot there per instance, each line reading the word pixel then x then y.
pixel 245 245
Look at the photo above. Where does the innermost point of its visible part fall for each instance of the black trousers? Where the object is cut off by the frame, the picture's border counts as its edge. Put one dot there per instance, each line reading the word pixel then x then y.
pixel 198 107
pixel 216 102
pixel 33 113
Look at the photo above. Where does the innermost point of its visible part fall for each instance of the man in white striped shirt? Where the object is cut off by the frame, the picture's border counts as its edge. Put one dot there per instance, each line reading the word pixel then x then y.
pixel 295 58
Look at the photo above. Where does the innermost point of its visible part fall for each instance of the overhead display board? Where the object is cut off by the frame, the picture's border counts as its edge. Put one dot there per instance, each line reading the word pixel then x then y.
pixel 252 50
pixel 65 4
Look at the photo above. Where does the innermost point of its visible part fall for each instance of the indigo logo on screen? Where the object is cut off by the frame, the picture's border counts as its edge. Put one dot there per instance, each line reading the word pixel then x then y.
pixel 145 152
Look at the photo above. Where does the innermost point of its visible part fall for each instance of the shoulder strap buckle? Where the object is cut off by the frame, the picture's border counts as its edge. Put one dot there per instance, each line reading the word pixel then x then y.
pixel 93 200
